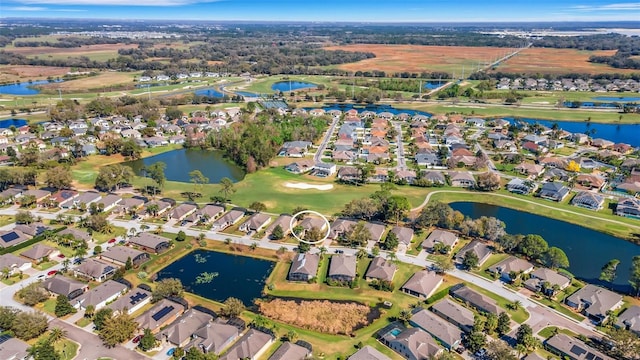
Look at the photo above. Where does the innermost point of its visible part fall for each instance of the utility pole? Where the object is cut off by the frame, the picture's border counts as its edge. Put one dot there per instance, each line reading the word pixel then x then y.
pixel 60 94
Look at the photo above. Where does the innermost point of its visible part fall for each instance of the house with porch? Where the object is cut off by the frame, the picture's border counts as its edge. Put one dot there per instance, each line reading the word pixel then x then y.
pixel 304 267
pixel 100 295
pixel 342 268
pixel 422 284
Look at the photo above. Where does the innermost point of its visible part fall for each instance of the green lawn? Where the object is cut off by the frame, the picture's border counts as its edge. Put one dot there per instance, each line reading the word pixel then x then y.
pixel 83 322
pixel 67 348
pixel 560 308
pixel 6 220
pixel 549 331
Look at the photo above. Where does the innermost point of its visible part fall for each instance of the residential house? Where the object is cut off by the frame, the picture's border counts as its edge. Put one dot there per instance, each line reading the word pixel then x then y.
pixel 595 302
pixel 519 186
pixel 482 251
pixel 511 268
pixel 13 348
pixel 429 159
pixel 131 205
pixel 349 174
pixel 95 270
pixel 381 269
pixel 304 267
pixel 443 237
pixel 375 229
pixel 179 333
pixel 368 353
pixel 301 166
pixel 207 213
pixel 294 148
pixel 541 276
pixel 322 169
pixel 571 348
pixel 477 300
pixel 33 229
pixel 448 335
pixel 39 195
pixel 100 295
pixel 131 302
pixel 181 211
pixel 462 179
pixel 590 182
pixel 252 345
pixel 64 198
pixel 404 234
pixel 342 268
pixel 422 284
pixel 630 320
pixel 554 191
pixel 290 351
pixel 454 313
pixel 284 220
pixel 230 218
pixel 76 234
pixel 86 198
pixel 531 170
pixel 161 314
pixel 413 344
pixel 14 264
pixel 12 237
pixel 39 253
pixel 588 200
pixel 341 227
pixel 255 223
pixel 628 207
pixel 119 255
pixel 435 177
pixel 602 143
pixel 150 242
pixel 553 162
pixel 213 337
pixel 109 202
pixel 163 206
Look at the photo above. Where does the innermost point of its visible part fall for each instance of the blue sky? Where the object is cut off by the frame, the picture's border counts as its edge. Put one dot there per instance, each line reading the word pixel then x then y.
pixel 329 10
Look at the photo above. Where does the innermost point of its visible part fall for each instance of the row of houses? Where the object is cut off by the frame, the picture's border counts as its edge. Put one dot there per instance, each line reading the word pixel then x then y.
pixel 567 84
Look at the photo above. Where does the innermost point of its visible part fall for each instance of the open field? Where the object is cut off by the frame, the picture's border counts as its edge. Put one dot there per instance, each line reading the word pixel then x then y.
pixel 100 52
pixel 417 58
pixel 102 81
pixel 558 61
pixel 11 73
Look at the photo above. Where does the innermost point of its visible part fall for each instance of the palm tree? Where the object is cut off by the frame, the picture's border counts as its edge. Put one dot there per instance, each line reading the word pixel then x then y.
pixel 201 237
pixel 65 265
pixel 323 250
pixel 5 272
pixel 81 252
pixel 144 227
pixel 132 231
pixel 516 305
pixel 226 187
pixel 56 334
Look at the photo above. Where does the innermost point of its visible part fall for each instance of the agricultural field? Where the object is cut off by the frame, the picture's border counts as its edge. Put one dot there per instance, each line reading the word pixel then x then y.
pixel 100 52
pixel 417 58
pixel 12 73
pixel 558 61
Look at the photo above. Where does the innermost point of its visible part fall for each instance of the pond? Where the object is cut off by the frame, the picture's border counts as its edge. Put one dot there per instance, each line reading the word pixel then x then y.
pixel 23 88
pixel 291 85
pixel 7 123
pixel 211 92
pixel 431 85
pixel 376 108
pixel 241 277
pixel 616 99
pixel 245 93
pixel 618 133
pixel 180 162
pixel 587 250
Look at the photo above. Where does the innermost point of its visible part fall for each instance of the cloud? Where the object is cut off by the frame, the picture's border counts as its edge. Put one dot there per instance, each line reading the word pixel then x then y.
pixel 118 2
pixel 26 8
pixel 609 7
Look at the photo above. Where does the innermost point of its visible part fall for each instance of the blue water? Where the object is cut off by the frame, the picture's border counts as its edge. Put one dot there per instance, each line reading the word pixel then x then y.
pixel 618 133
pixel 591 104
pixel 23 88
pixel 586 249
pixel 15 122
pixel 616 99
pixel 396 332
pixel 209 93
pixel 246 93
pixel 377 108
pixel 433 84
pixel 291 86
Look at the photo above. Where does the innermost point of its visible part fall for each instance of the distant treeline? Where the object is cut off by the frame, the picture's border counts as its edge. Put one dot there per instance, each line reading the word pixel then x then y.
pixel 70 42
pixel 551 77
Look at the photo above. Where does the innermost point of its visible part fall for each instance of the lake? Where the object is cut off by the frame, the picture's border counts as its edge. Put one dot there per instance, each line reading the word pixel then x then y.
pixel 180 162
pixel 241 277
pixel 211 92
pixel 616 99
pixel 618 133
pixel 23 88
pixel 587 250
pixel 431 85
pixel 7 123
pixel 376 108
pixel 291 86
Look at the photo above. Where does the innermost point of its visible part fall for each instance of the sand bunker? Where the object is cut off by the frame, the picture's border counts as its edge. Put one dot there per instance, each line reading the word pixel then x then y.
pixel 305 186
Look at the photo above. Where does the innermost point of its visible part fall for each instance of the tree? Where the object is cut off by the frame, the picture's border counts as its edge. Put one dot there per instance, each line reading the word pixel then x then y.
pixel 573 166
pixel 170 287
pixel 194 353
pixel 101 316
pixel 198 180
pixel 172 112
pixel 56 334
pixel 117 329
pixel 131 149
pixel 470 260
pixel 396 208
pixel 59 177
pixel 43 350
pixel 98 222
pixel 233 307
pixel 148 340
pixel 391 241
pixel 181 236
pixel 7 315
pixel 292 336
pixel 63 306
pixel 510 242
pixel 226 187
pixel 627 344
pixel 29 325
pixel 634 278
pixel 364 208
pixel 257 206
pixel 555 258
pixel 129 264
pixel 443 264
pixel 491 323
pixel 500 350
pixel 524 337
pixel 488 181
pixel 277 233
pixel 111 177
pixel 32 294
pixel 359 235
pixel 504 324
pixel 24 217
pixel 89 311
pixel 156 172
pixel 475 341
pixel 533 246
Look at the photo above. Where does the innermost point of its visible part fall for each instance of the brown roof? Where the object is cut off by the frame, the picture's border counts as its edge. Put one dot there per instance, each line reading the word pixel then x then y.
pixel 37 252
pixel 382 269
pixel 423 282
pixel 343 265
pixel 289 351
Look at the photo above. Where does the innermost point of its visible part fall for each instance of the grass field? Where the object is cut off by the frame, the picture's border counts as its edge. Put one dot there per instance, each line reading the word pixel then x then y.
pixel 11 73
pixel 558 61
pixel 417 58
pixel 100 82
pixel 100 52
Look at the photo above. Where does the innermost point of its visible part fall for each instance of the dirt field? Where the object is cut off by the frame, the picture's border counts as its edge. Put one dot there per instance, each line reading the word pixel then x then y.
pixel 94 52
pixel 26 72
pixel 417 58
pixel 102 80
pixel 558 61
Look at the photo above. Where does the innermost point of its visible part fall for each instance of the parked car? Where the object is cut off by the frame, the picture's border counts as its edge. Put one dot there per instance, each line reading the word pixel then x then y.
pixel 137 339
pixel 112 241
pixel 339 252
pixel 77 261
pixel 61 256
pixel 52 272
pixel 171 351
pixel 41 276
pixel 121 242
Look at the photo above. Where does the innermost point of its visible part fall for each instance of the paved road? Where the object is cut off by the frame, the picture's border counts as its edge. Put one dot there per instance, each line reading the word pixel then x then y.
pixel 402 165
pixel 326 139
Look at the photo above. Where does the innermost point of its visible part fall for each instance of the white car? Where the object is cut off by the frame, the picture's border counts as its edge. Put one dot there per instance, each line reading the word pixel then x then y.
pixel 41 277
